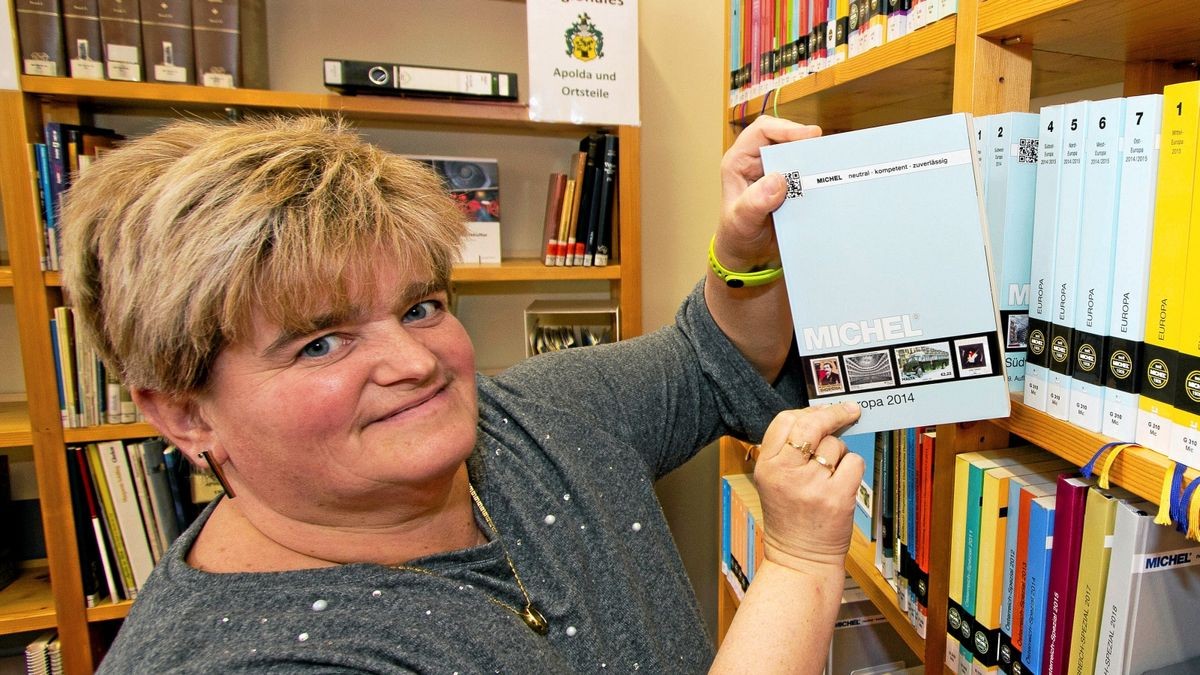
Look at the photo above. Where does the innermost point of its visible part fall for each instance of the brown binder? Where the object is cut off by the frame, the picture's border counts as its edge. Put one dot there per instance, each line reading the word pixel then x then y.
pixel 167 41
pixel 121 32
pixel 39 30
pixel 81 28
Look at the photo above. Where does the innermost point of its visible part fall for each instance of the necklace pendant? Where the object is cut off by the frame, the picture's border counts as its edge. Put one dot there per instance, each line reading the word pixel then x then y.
pixel 534 619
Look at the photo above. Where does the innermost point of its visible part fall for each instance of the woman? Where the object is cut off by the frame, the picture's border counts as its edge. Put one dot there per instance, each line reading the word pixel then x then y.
pixel 275 295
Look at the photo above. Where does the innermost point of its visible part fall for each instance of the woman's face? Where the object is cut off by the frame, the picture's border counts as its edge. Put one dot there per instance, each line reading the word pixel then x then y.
pixel 347 417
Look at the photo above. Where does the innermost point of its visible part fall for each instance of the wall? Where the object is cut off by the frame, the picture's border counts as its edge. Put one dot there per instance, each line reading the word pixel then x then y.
pixel 682 57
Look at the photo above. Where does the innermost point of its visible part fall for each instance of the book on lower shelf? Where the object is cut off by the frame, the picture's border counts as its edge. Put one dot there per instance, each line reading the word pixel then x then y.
pixel 474 183
pixel 894 214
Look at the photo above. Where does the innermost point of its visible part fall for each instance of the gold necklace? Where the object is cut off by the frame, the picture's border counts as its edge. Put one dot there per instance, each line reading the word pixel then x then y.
pixel 530 614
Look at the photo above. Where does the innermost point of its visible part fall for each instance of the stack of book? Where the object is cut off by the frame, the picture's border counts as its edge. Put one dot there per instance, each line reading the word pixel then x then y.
pixel 215 43
pixel 43 655
pixel 742 548
pixel 581 205
pixel 130 500
pixel 89 393
pixel 1114 301
pixel 777 42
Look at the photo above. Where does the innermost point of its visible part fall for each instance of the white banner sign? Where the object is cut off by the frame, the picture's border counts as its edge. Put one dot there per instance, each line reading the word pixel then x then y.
pixel 583 61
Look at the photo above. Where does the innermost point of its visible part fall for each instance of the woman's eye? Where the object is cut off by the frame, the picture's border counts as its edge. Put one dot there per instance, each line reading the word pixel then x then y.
pixel 423 310
pixel 322 346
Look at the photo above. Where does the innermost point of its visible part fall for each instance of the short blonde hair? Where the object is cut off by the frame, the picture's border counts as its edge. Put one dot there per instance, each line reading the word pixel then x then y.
pixel 173 240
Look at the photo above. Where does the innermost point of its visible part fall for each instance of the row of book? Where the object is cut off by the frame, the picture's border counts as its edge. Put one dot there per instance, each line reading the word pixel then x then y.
pixel 1052 573
pixel 89 393
pixel 1104 223
pixel 581 205
pixel 65 151
pixel 130 500
pixel 776 42
pixel 216 43
pixel 742 525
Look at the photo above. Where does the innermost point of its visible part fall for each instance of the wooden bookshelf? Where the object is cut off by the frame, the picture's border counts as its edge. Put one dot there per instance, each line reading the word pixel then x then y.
pixel 993 56
pixel 27 603
pixel 38 424
pixel 14 425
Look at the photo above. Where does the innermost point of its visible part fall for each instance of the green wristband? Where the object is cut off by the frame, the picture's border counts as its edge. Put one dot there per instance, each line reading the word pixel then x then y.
pixel 739 279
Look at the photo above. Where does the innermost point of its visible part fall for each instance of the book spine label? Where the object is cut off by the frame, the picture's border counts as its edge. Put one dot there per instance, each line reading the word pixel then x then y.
pixel 1066 259
pixel 1102 178
pixel 1041 271
pixel 1131 265
pixel 1164 301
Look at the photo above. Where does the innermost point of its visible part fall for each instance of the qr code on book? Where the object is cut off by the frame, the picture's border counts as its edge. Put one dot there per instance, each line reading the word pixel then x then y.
pixel 1027 151
pixel 793 184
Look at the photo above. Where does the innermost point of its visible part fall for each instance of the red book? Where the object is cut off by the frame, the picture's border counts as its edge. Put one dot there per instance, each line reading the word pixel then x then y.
pixel 554 207
pixel 1071 498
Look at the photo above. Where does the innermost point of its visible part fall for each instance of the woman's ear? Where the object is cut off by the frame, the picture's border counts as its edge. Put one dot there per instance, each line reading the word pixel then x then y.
pixel 177 418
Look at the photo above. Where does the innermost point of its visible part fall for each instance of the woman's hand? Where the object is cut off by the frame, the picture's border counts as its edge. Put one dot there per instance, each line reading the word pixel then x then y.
pixel 807 482
pixel 756 319
pixel 745 238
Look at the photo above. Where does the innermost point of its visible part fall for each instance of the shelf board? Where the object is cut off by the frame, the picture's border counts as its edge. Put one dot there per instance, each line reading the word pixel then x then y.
pixel 27 604
pixel 905 79
pixel 108 611
pixel 1136 469
pixel 482 115
pixel 1078 44
pixel 515 269
pixel 109 432
pixel 14 425
pixel 6 276
pixel 860 564
pixel 530 269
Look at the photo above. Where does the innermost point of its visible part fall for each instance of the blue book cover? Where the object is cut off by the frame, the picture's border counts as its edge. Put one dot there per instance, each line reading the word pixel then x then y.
pixel 885 258
pixel 1041 538
pixel 863 445
pixel 1041 263
pixel 1011 170
pixel 1101 185
pixel 725 524
pixel 1131 265
pixel 1066 258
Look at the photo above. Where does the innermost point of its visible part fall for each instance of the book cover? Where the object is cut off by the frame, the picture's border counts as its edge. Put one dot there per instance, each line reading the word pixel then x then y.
pixel 1154 602
pixel 78 457
pixel 1016 563
pixel 1011 172
pixel 995 523
pixel 216 35
pixel 1097 241
pixel 600 235
pixel 1070 505
pixel 475 185
pixel 1067 226
pixel 592 146
pixel 1132 521
pixel 570 222
pixel 90 570
pixel 177 481
pixel 863 445
pixel 1041 262
pixel 555 191
pixel 1094 553
pixel 121 32
pixel 1168 258
pixel 40 34
pixel 167 41
pixel 133 455
pixel 81 30
pixel 1040 548
pixel 1131 265
pixel 121 489
pixel 65 336
pixel 1185 433
pixel 112 529
pixel 911 349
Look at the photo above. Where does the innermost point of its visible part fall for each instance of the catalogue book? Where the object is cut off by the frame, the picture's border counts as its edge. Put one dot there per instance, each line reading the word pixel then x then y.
pixel 884 249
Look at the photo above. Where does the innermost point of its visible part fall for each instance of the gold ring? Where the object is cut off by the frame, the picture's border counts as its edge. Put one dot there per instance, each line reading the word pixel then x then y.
pixel 825 463
pixel 805 448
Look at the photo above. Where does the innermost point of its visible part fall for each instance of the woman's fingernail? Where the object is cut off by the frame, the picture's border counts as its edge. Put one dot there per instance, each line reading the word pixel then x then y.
pixel 850 406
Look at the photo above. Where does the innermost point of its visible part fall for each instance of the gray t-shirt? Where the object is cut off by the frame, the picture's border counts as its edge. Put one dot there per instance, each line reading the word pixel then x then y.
pixel 569 447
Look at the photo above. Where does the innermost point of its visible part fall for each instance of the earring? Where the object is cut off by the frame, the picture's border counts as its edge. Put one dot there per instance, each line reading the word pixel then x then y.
pixel 219 473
